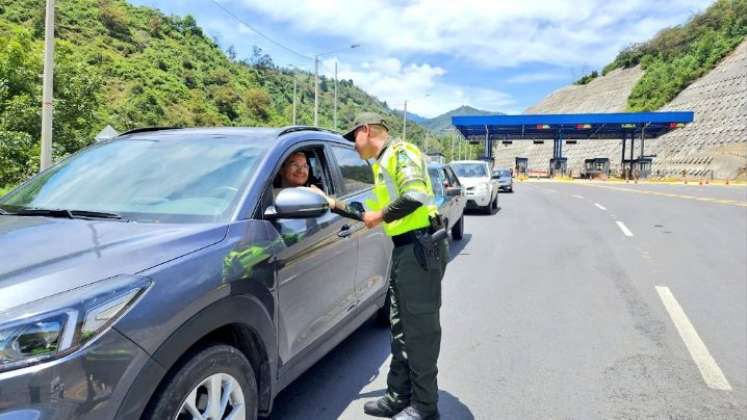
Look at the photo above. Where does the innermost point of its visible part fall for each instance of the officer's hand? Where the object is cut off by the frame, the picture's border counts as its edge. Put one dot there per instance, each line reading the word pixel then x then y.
pixel 330 200
pixel 373 218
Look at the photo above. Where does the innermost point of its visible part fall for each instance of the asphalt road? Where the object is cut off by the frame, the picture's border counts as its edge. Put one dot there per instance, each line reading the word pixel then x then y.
pixel 554 310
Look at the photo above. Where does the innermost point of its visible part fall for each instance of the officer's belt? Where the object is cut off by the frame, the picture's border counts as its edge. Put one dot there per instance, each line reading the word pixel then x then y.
pixel 408 237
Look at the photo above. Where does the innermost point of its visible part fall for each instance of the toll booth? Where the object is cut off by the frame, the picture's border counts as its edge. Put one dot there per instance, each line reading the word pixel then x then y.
pixel 558 166
pixel 564 129
pixel 596 168
pixel 642 167
pixel 522 165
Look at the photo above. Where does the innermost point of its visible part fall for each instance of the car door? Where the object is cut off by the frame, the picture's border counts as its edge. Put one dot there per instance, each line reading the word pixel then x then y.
pixel 439 192
pixel 316 269
pixel 458 201
pixel 374 247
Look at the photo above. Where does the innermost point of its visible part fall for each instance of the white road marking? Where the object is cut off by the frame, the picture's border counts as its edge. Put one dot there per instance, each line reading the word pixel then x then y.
pixel 624 228
pixel 712 374
pixel 601 207
pixel 578 196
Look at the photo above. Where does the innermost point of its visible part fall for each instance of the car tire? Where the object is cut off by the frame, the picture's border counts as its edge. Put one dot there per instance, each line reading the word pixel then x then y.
pixel 488 209
pixel 493 206
pixel 382 316
pixel 457 231
pixel 191 378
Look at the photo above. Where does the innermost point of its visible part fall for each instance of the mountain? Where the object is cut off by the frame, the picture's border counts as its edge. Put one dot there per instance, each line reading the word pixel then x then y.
pixel 443 121
pixel 130 66
pixel 411 117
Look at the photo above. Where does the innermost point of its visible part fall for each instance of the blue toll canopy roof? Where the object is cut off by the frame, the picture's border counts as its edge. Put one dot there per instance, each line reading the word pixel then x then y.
pixel 570 126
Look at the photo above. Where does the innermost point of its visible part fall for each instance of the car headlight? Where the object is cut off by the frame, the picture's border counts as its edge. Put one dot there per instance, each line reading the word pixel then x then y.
pixel 62 323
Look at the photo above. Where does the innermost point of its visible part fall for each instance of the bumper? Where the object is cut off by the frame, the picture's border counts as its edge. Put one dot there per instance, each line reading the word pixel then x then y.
pixel 86 385
pixel 479 199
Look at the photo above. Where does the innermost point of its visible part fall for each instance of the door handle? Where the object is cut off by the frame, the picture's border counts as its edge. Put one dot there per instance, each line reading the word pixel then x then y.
pixel 345 231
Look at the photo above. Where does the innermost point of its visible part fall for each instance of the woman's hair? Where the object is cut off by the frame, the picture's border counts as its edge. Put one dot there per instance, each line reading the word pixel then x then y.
pixel 290 157
pixel 279 178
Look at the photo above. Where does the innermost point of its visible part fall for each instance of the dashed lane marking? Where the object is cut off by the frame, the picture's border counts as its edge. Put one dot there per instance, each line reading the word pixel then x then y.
pixel 712 374
pixel 601 207
pixel 624 229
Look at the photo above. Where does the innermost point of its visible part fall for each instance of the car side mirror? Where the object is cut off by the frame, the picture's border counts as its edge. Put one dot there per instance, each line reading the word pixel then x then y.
pixel 297 203
pixel 454 192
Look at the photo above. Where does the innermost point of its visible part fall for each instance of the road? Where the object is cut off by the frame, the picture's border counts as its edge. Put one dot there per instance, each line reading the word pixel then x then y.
pixel 576 301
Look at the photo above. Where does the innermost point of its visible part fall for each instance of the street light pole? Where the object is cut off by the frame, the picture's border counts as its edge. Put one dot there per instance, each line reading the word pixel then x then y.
pixel 47 88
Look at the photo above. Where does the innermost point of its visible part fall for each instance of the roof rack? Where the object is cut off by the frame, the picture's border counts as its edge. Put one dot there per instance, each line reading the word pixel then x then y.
pixel 295 128
pixel 147 129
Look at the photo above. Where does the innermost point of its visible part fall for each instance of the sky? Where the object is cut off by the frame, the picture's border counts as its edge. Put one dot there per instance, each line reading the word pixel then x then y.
pixel 437 55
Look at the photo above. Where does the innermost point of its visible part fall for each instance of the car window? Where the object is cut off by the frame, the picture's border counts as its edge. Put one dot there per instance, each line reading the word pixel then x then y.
pixel 294 230
pixel 453 180
pixel 356 172
pixel 470 170
pixel 437 181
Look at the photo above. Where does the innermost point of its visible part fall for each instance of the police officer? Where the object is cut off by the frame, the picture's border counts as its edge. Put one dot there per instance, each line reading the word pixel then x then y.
pixel 404 204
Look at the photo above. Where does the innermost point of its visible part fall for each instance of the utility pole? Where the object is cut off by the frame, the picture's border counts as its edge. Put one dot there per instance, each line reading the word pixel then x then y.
pixel 47 88
pixel 404 123
pixel 316 82
pixel 295 82
pixel 335 111
pixel 316 91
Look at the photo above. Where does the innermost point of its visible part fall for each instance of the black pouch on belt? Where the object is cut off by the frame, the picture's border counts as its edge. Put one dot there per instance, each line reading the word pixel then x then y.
pixel 426 249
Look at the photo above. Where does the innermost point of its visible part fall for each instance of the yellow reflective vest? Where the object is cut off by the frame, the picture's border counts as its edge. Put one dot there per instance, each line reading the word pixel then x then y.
pixel 403 170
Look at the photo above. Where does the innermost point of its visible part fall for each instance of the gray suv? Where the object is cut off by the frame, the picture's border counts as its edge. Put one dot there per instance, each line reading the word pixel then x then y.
pixel 165 275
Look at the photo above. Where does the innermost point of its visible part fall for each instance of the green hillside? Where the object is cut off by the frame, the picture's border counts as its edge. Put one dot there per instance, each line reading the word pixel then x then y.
pixel 134 66
pixel 678 56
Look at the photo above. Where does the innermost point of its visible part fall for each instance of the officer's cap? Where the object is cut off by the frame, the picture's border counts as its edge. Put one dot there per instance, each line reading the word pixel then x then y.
pixel 362 119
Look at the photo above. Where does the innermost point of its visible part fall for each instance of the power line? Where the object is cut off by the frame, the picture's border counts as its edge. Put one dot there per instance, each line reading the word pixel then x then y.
pixel 258 32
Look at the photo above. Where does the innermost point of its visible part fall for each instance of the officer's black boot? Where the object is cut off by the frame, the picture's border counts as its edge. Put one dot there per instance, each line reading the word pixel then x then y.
pixel 384 407
pixel 412 413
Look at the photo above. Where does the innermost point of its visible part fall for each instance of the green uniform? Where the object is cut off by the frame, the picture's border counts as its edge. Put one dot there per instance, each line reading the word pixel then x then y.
pixel 415 292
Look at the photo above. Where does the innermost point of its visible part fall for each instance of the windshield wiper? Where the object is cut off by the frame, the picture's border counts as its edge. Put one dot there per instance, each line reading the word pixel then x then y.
pixel 65 213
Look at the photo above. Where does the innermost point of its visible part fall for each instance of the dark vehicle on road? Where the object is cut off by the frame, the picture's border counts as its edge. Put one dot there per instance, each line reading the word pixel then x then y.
pixel 164 275
pixel 449 195
pixel 505 179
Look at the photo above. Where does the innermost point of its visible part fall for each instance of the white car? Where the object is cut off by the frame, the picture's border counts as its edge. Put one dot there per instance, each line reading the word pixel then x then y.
pixel 481 190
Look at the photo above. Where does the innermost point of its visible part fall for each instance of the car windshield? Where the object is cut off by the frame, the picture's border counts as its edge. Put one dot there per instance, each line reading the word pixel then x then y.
pixel 470 170
pixel 190 179
pixel 503 172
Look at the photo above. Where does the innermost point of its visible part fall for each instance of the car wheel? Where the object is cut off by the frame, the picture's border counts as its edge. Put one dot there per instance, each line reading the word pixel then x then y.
pixel 493 205
pixel 216 382
pixel 382 317
pixel 457 231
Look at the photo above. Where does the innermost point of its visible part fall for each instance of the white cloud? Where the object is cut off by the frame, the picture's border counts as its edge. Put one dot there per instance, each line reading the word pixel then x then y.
pixel 490 33
pixel 421 85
